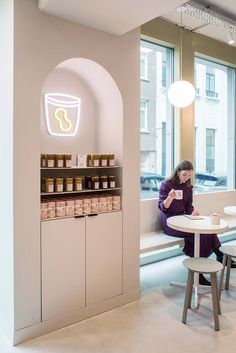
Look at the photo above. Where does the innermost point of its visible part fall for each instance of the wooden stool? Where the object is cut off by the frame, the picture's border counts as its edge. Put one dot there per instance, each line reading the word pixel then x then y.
pixel 229 251
pixel 204 266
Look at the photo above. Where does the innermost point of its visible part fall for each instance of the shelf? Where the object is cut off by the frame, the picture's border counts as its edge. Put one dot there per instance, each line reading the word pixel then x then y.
pixel 77 192
pixel 79 216
pixel 84 168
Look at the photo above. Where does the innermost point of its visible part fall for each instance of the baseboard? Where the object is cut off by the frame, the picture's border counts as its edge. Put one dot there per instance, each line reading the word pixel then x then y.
pixel 45 327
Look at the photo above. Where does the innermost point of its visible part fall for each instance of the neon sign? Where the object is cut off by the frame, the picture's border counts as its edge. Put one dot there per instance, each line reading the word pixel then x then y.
pixel 62 113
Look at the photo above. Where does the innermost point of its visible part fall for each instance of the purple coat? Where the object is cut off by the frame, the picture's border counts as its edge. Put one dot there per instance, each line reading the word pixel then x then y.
pixel 208 242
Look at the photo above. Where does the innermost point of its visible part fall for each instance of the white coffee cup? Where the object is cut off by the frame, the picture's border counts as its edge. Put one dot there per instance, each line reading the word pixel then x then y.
pixel 178 194
pixel 215 218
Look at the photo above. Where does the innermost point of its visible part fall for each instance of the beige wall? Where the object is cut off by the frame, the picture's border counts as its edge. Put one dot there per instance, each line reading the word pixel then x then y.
pixel 6 162
pixel 191 43
pixel 41 42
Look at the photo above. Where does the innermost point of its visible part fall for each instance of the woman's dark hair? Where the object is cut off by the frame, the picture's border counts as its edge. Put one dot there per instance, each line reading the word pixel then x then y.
pixel 184 165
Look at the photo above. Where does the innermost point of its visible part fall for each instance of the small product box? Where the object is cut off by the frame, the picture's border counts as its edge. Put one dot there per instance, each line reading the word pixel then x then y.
pixel 82 160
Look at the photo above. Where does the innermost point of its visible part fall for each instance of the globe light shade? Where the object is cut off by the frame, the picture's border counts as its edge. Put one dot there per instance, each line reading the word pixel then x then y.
pixel 181 93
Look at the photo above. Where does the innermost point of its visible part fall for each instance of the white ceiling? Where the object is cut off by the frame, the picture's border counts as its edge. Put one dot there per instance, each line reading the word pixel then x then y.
pixel 226 8
pixel 113 16
pixel 121 16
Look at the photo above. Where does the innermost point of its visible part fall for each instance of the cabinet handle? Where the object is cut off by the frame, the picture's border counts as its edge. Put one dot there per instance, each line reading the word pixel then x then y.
pixel 80 216
pixel 92 214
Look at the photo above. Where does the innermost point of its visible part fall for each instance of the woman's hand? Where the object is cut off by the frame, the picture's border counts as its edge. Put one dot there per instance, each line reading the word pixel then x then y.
pixel 195 213
pixel 171 194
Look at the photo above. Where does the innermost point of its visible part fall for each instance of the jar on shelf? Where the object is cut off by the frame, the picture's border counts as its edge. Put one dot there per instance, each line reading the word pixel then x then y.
pixel 111 160
pixel 43 187
pixel 43 161
pixel 94 205
pixel 78 207
pixel 95 160
pixel 88 182
pixel 70 207
pixel 59 160
pixel 116 203
pixel 50 161
pixel 68 160
pixel 103 160
pixel 102 205
pixel 95 182
pixel 60 208
pixel 111 181
pixel 51 209
pixel 68 184
pixel 86 205
pixel 43 210
pixel 89 160
pixel 78 184
pixel 49 185
pixel 109 203
pixel 103 182
pixel 59 184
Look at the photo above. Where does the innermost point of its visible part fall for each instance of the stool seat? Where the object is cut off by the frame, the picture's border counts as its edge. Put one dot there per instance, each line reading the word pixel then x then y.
pixel 202 265
pixel 208 266
pixel 229 250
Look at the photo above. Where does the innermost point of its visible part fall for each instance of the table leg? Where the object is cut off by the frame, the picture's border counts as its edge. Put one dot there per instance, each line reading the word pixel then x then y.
pixel 196 275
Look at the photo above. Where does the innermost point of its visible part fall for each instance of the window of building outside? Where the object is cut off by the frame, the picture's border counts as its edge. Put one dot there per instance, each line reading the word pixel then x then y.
pixel 143 115
pixel 156 117
pixel 214 126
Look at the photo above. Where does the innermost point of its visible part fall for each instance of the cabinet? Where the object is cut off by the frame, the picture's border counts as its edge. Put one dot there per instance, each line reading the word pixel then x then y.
pixel 63 266
pixel 81 262
pixel 103 257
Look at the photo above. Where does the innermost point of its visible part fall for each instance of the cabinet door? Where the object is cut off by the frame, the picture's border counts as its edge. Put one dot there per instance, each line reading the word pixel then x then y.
pixel 103 257
pixel 63 266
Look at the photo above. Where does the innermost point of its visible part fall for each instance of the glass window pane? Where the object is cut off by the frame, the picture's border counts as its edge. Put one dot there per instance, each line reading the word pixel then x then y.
pixel 156 117
pixel 214 126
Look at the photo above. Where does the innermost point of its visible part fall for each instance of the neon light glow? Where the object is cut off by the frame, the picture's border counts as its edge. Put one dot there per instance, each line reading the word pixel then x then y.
pixel 62 113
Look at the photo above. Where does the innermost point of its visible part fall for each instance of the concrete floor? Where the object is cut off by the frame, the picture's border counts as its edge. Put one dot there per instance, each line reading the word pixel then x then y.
pixel 151 325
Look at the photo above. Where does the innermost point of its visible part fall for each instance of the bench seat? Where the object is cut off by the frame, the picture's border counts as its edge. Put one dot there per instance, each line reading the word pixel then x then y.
pixel 158 240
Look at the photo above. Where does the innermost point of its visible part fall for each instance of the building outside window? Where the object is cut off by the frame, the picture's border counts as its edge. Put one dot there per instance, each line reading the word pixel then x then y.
pixel 214 124
pixel 210 150
pixel 156 117
pixel 143 115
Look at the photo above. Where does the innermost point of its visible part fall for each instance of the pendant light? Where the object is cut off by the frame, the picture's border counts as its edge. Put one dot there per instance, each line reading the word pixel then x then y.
pixel 181 93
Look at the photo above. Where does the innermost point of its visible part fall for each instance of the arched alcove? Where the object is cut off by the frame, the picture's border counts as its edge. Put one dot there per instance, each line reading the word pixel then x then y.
pixel 101 116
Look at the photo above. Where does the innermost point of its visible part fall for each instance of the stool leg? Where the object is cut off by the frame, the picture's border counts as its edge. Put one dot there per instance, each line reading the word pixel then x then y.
pixel 228 272
pixel 188 295
pixel 222 276
pixel 215 300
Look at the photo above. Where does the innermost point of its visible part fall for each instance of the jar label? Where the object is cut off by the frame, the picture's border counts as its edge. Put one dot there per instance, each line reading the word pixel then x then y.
pixel 69 187
pixel 96 185
pixel 104 184
pixel 60 163
pixel 112 184
pixel 104 162
pixel 111 162
pixel 78 187
pixel 68 163
pixel 50 163
pixel 50 188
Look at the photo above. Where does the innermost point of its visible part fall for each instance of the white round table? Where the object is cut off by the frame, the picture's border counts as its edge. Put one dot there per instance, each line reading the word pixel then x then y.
pixel 231 210
pixel 196 226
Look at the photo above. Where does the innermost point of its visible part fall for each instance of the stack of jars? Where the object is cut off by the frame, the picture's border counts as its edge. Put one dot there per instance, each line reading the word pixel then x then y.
pixel 100 160
pixel 69 207
pixel 52 160
pixel 78 183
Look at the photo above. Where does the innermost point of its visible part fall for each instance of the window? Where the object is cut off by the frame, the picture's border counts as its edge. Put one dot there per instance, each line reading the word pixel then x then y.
pixel 156 117
pixel 143 115
pixel 214 126
pixel 210 150
pixel 143 64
